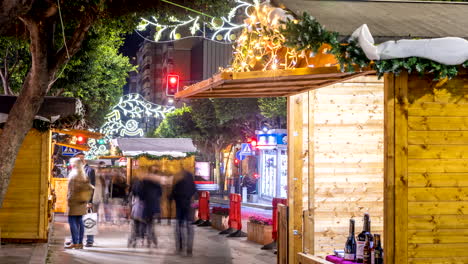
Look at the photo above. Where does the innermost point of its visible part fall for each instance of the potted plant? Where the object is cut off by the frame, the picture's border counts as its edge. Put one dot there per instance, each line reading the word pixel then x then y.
pixel 219 218
pixel 259 229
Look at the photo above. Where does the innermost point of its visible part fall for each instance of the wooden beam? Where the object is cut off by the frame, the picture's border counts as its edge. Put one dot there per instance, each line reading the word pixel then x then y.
pixel 389 168
pixel 310 259
pixel 401 168
pixel 246 84
pixel 77 132
pixel 295 166
pixel 204 85
pixel 80 147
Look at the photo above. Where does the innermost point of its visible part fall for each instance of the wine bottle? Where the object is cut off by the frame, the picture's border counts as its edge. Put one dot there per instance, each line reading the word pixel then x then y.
pixel 366 252
pixel 361 238
pixel 377 251
pixel 350 246
pixel 369 234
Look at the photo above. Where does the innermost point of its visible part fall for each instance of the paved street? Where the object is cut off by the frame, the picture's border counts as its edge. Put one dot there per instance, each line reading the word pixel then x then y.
pixel 111 247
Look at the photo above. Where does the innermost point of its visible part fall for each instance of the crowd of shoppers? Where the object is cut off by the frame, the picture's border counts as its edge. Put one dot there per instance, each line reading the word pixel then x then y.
pixel 105 191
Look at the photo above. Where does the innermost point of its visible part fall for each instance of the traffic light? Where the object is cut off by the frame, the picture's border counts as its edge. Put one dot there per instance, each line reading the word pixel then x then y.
pixel 236 162
pixel 78 139
pixel 253 143
pixel 172 84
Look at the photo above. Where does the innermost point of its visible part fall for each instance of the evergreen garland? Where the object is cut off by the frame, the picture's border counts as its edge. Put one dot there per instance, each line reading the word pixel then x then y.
pixel 168 157
pixel 309 34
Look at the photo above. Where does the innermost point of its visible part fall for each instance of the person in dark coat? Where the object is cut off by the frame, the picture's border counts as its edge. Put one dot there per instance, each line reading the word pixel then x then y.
pixel 150 192
pixel 182 193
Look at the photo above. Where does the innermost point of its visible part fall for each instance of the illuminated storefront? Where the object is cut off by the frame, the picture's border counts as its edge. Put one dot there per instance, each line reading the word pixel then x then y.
pixel 273 163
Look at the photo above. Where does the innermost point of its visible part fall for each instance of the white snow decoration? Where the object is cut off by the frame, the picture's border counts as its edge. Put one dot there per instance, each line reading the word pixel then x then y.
pixel 448 51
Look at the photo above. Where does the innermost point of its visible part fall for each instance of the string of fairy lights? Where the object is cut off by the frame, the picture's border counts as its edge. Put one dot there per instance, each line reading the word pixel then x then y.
pixel 219 28
pixel 259 46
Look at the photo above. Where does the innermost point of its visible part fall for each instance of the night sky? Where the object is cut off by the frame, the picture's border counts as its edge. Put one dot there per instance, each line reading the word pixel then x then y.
pixel 131 45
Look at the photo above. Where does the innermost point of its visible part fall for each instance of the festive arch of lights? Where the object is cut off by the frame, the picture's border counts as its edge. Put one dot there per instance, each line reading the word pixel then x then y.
pixel 124 120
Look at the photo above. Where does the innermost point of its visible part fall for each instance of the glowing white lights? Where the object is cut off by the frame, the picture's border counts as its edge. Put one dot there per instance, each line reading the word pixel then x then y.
pixel 124 120
pixel 220 28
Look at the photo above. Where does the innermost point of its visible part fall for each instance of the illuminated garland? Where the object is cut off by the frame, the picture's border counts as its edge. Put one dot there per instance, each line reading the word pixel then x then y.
pixel 261 44
pixel 167 157
pixel 124 120
pixel 223 27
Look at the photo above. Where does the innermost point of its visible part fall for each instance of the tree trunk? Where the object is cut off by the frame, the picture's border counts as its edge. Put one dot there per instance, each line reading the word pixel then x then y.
pixel 22 114
pixel 45 63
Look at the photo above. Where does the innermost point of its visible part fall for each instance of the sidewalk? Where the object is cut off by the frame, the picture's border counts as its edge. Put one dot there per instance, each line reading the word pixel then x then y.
pixel 111 247
pixel 23 253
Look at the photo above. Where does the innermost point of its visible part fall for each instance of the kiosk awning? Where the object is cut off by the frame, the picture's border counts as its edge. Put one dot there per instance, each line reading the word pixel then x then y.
pixel 274 83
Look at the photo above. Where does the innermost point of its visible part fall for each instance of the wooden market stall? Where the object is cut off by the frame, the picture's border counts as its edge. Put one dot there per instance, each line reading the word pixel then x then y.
pixel 28 206
pixel 60 185
pixel 394 147
pixel 170 155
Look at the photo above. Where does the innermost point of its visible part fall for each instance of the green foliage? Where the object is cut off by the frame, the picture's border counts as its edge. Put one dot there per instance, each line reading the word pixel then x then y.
pixel 309 34
pixel 97 73
pixel 177 124
pixel 167 157
pixel 419 65
pixel 273 107
pixel 212 124
pixel 15 61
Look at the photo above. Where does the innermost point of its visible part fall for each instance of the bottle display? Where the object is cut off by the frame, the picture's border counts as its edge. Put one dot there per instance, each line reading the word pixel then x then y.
pixel 366 252
pixel 377 251
pixel 350 246
pixel 361 239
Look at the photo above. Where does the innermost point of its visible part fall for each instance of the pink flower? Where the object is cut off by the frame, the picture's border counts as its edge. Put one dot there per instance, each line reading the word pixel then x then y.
pixel 260 220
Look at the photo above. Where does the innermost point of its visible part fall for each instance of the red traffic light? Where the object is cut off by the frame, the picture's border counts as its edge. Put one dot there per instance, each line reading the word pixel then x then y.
pixel 172 84
pixel 253 143
pixel 80 139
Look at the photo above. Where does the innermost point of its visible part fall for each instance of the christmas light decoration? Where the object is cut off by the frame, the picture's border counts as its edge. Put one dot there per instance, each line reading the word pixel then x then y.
pixel 124 120
pixel 261 44
pixel 223 27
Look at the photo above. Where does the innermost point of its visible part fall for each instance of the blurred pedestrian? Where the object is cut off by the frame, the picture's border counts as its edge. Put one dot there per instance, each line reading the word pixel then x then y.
pixel 138 226
pixel 78 195
pixel 182 193
pixel 151 195
pixel 91 174
pixel 98 196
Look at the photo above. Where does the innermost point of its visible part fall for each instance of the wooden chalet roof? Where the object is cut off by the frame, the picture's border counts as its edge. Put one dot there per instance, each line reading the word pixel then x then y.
pixel 387 19
pixel 52 106
pixel 275 83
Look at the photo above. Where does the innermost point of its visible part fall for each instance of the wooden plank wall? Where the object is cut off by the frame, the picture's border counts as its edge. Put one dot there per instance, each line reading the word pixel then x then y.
pixel 61 188
pixel 24 211
pixel 437 184
pixel 348 159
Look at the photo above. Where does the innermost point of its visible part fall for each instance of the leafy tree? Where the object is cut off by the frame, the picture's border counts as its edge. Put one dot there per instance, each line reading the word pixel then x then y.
pixel 41 21
pixel 213 125
pixel 14 63
pixel 97 71
pixel 274 110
